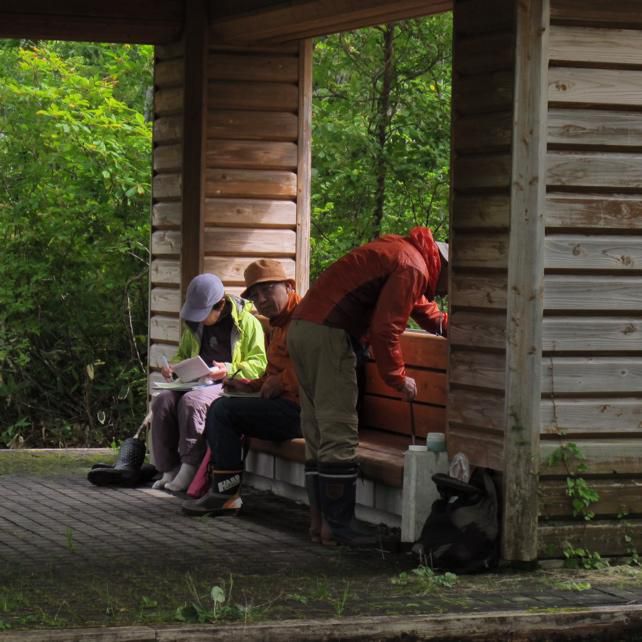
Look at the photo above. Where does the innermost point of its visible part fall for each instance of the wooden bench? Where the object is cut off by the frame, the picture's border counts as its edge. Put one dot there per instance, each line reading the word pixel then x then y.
pixel 384 434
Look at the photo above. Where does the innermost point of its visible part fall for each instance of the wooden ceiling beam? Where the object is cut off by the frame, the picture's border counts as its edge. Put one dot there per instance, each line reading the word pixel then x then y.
pixel 309 18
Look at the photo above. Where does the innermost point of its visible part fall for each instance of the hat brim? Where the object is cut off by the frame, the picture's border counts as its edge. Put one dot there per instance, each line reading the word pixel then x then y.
pixel 266 280
pixel 195 315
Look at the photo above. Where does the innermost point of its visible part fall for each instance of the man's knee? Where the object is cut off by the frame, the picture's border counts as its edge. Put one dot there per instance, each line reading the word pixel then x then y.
pixel 163 402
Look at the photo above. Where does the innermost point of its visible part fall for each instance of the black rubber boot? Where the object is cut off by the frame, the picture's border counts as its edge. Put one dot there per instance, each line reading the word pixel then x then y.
pixel 320 532
pixel 127 469
pixel 338 487
pixel 222 498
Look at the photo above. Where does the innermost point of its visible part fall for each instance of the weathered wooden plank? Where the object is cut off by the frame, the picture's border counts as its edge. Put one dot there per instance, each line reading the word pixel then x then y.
pixel 487 171
pixel 283 48
pixel 167 158
pixel 483 211
pixel 595 45
pixel 304 167
pixel 583 375
pixel 483 93
pixel 162 328
pixel 393 415
pixel 606 537
pixel 166 242
pixel 594 170
pixel 573 85
pixel 240 154
pixel 478 291
pixel 591 334
pixel 230 269
pixel 595 293
pixel 603 212
pixel 168 129
pixel 595 127
pixel 477 369
pixel 479 16
pixel 158 350
pixel 488 250
pixel 477 329
pixel 167 186
pixel 252 125
pixel 618 497
pixel 169 73
pixel 165 271
pixel 591 416
pixel 483 53
pixel 168 101
pixel 261 68
pixel 603 456
pixel 240 212
pixel 227 241
pixel 170 50
pixel 265 96
pixel 165 300
pixel 244 183
pixel 485 449
pixel 473 408
pixel 167 214
pixel 431 386
pixel 424 350
pixel 483 132
pixel 597 12
pixel 583 252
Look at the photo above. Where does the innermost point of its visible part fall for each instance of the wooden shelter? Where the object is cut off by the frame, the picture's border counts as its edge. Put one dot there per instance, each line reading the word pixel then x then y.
pixel 545 344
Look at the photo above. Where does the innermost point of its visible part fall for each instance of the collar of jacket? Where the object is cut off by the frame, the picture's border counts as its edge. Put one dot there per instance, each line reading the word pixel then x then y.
pixel 283 317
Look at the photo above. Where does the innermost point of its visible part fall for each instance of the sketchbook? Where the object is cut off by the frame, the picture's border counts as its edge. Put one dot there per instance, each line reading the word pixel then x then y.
pixel 191 369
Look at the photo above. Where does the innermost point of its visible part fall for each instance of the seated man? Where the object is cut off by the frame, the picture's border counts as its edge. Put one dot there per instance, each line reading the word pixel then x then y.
pixel 273 415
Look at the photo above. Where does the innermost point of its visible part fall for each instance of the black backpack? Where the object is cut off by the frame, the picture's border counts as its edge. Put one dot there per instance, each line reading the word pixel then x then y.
pixel 461 533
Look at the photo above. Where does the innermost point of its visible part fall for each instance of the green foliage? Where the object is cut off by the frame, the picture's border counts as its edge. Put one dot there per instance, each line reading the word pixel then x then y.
pixel 371 135
pixel 425 579
pixel 74 210
pixel 579 557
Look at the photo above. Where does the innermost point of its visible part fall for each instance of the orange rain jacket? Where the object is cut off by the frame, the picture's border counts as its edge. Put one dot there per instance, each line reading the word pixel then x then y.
pixel 278 359
pixel 373 290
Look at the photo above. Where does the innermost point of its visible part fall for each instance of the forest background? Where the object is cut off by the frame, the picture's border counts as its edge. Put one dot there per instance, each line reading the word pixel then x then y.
pixel 75 153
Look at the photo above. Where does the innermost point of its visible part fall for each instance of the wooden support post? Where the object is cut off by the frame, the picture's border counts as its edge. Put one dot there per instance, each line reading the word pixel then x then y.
pixel 304 162
pixel 525 283
pixel 194 139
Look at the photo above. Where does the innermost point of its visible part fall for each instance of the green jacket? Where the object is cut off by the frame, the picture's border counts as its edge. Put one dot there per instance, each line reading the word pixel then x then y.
pixel 248 342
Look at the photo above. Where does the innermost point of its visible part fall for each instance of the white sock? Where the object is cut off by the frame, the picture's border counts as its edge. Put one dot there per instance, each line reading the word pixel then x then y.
pixel 165 479
pixel 183 479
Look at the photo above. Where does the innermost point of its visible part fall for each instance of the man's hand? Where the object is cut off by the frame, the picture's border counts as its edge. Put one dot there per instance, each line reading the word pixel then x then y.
pixel 271 388
pixel 408 389
pixel 237 385
pixel 167 371
pixel 217 372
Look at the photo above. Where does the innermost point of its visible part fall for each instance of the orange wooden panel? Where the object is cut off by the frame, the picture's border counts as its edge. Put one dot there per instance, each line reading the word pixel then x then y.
pixel 425 350
pixel 264 96
pixel 431 386
pixel 250 183
pixel 245 154
pixel 250 212
pixel 252 125
pixel 394 415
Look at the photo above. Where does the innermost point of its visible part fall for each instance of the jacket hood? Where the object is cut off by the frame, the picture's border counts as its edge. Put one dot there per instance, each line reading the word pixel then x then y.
pixel 421 238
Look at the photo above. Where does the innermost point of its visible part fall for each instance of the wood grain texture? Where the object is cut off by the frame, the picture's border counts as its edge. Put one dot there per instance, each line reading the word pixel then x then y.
pixel 487 52
pixel 480 329
pixel 594 170
pixel 424 350
pixel 473 408
pixel 167 186
pixel 478 291
pixel 597 12
pixel 604 416
pixel 431 386
pixel 250 184
pixel 262 96
pixel 603 456
pixel 165 271
pixel 167 214
pixel 163 328
pixel 491 171
pixel 230 269
pixel 168 102
pixel 483 93
pixel 227 241
pixel 481 211
pixel 165 300
pixel 477 369
pixel 252 125
pixel 393 415
pixel 614 212
pixel 592 334
pixel 482 449
pixel 480 16
pixel 167 158
pixel 583 252
pixel 166 242
pixel 483 132
pixel 594 293
pixel 596 375
pixel 595 45
pixel 573 85
pixel 168 129
pixel 241 212
pixel 158 350
pixel 255 68
pixel 595 128
pixel 170 73
pixel 489 250
pixel 240 154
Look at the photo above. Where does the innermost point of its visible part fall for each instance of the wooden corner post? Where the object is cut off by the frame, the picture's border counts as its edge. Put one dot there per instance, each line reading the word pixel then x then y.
pixel 525 283
pixel 194 139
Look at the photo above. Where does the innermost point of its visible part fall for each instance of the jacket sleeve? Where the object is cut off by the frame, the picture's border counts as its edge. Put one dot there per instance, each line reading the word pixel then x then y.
pixel 187 347
pixel 395 303
pixel 253 357
pixel 429 317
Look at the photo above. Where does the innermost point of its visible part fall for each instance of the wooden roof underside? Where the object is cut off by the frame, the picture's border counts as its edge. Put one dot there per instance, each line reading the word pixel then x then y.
pixel 231 21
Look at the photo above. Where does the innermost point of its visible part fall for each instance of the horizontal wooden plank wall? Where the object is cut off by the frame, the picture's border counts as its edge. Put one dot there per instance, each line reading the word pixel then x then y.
pixel 592 328
pixel 484 44
pixel 167 211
